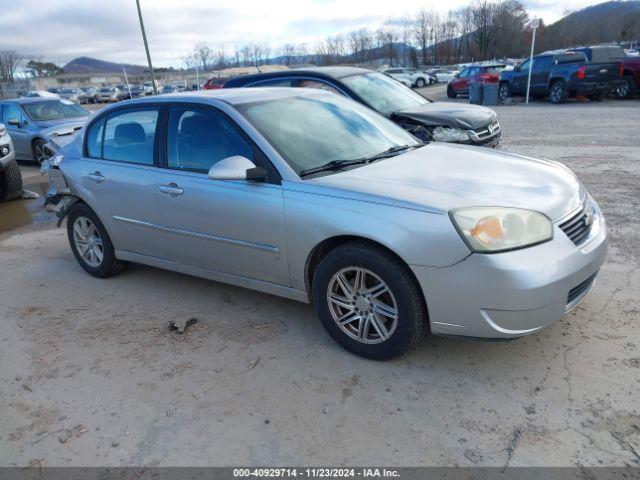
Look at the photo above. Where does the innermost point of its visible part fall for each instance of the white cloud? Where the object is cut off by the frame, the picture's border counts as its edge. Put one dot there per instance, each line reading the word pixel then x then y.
pixel 108 29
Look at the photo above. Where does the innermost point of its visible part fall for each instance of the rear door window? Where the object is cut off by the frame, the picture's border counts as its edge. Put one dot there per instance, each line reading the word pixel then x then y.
pixel 319 85
pixel 130 135
pixel 278 82
pixel 541 64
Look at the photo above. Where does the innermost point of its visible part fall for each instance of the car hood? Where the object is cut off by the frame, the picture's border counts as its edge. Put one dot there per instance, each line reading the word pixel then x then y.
pixel 460 115
pixel 441 177
pixel 62 127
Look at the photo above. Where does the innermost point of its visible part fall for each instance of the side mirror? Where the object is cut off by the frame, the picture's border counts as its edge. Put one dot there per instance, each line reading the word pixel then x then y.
pixel 517 68
pixel 15 122
pixel 237 167
pixel 457 75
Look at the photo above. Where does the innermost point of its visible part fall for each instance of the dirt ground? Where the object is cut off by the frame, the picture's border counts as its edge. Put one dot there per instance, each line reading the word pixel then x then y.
pixel 91 375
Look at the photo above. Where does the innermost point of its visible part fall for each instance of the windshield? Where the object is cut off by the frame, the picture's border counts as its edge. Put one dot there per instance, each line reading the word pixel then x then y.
pixel 53 110
pixel 310 131
pixel 383 93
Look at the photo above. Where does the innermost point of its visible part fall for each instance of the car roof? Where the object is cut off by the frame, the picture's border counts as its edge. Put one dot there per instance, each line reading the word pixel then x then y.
pixel 334 73
pixel 28 100
pixel 232 96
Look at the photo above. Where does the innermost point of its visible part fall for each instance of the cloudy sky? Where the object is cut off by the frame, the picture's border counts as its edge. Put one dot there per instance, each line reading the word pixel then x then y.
pixel 60 30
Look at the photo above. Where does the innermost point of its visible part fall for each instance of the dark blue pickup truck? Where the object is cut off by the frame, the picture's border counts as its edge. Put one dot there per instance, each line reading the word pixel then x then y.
pixel 560 75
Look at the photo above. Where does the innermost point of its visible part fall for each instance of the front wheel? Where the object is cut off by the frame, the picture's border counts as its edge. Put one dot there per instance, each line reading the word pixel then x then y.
pixel 450 92
pixel 90 243
pixel 40 152
pixel 369 302
pixel 558 92
pixel 420 83
pixel 504 92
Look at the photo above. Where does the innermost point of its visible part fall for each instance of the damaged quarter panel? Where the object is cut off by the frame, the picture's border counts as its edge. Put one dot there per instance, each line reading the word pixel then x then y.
pixel 310 212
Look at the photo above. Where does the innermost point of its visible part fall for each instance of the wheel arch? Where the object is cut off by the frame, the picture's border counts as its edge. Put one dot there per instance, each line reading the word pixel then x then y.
pixel 327 245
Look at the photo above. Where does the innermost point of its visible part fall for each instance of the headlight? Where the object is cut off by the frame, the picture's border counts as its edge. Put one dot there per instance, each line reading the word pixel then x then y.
pixel 449 134
pixel 496 229
pixel 3 131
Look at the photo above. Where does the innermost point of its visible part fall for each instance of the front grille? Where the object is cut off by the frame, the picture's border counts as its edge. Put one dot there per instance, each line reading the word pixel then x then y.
pixel 487 133
pixel 577 227
pixel 581 288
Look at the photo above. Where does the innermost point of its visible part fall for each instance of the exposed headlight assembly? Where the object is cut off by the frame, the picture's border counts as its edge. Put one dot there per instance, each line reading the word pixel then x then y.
pixel 497 229
pixel 449 134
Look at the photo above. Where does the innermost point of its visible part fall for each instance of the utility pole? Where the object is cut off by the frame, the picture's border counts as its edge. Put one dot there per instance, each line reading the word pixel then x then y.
pixel 146 48
pixel 534 24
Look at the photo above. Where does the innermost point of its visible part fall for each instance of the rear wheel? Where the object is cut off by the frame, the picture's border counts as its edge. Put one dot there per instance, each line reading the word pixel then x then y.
pixel 10 182
pixel 420 83
pixel 91 244
pixel 628 87
pixel 504 92
pixel 40 153
pixel 450 92
pixel 368 301
pixel 558 92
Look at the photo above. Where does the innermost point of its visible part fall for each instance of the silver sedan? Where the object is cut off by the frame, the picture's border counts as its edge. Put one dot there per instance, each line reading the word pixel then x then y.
pixel 307 195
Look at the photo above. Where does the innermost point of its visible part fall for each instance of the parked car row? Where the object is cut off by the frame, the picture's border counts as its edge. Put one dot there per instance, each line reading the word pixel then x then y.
pixel 591 72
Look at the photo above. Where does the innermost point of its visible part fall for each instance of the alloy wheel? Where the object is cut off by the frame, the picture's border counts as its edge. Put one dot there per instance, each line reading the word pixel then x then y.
pixel 40 152
pixel 623 90
pixel 362 305
pixel 88 241
pixel 556 93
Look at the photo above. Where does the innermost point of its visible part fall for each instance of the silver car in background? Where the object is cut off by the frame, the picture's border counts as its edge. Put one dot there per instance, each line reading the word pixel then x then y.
pixel 34 122
pixel 76 95
pixel 304 194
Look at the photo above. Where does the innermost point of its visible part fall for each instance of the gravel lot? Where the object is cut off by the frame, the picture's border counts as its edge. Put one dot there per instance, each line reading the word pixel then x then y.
pixel 90 374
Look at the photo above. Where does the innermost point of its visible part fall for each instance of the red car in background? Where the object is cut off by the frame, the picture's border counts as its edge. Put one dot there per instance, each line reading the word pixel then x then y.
pixel 485 73
pixel 214 83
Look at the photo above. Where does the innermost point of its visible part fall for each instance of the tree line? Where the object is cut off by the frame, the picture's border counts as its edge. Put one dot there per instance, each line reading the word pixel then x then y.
pixel 484 29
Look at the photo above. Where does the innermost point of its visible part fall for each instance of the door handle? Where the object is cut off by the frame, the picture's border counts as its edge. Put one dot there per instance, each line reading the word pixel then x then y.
pixel 171 189
pixel 96 177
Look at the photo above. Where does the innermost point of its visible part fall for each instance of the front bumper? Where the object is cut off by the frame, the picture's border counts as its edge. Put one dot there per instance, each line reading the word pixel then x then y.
pixel 594 88
pixel 511 294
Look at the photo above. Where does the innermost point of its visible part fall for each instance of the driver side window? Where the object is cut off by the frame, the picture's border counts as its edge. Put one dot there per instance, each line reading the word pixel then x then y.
pixel 198 138
pixel 10 112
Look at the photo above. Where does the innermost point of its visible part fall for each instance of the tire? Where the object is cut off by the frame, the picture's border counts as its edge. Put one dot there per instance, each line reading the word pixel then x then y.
pixel 450 92
pixel 39 151
pixel 362 334
pixel 628 89
pixel 558 92
pixel 420 83
pixel 104 267
pixel 504 92
pixel 10 182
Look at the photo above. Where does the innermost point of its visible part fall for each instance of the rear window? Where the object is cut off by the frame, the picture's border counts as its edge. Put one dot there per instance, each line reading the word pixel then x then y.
pixel 570 58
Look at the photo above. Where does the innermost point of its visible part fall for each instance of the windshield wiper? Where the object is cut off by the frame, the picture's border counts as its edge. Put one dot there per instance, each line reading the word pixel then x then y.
pixel 332 165
pixel 338 164
pixel 392 152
